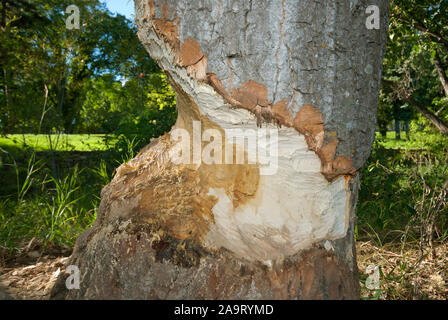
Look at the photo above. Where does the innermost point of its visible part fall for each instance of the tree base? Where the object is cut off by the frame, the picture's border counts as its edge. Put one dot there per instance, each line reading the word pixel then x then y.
pixel 129 265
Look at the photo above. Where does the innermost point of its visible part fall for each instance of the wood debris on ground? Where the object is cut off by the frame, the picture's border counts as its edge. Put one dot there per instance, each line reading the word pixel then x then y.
pixel 33 282
pixel 406 273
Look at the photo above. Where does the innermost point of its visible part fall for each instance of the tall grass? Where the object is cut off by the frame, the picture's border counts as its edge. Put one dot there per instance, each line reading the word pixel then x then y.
pixel 62 210
pixel 52 209
pixel 45 207
pixel 397 194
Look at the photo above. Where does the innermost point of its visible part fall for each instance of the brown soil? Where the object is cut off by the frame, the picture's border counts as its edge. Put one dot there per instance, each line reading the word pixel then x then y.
pixel 33 282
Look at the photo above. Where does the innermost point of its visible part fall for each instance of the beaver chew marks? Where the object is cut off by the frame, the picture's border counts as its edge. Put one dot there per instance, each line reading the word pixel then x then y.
pixel 281 113
pixel 258 217
pixel 252 96
pixel 309 122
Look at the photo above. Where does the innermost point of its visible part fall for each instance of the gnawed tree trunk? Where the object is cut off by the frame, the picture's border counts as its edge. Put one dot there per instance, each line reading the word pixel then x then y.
pixel 284 230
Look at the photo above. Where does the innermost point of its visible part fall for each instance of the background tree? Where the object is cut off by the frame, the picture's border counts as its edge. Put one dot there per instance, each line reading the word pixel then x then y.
pixel 414 66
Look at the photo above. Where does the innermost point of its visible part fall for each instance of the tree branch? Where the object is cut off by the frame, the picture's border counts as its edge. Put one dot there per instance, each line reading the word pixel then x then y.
pixel 421 27
pixel 435 120
pixel 442 75
pixel 420 107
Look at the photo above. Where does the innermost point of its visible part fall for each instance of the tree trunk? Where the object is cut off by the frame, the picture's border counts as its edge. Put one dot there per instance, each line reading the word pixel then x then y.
pixel 299 77
pixel 407 130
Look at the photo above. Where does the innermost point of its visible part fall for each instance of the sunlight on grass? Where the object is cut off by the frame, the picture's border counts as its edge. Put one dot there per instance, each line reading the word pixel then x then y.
pixel 62 142
pixel 417 141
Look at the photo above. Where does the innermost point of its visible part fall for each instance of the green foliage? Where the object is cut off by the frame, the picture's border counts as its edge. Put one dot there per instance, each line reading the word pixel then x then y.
pixel 152 120
pixel 61 142
pixel 111 107
pixel 98 79
pixel 391 187
pixel 55 210
pixel 418 33
pixel 48 69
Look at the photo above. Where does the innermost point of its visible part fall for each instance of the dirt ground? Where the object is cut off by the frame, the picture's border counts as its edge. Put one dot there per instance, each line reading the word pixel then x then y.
pixel 404 272
pixel 31 273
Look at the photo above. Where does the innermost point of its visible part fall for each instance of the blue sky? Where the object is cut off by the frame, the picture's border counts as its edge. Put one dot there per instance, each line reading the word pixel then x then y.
pixel 124 7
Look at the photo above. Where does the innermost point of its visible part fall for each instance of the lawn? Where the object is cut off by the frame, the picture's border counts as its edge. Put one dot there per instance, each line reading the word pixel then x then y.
pixel 102 142
pixel 58 142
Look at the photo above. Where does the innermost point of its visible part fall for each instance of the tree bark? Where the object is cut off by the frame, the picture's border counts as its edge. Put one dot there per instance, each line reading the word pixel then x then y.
pixel 308 73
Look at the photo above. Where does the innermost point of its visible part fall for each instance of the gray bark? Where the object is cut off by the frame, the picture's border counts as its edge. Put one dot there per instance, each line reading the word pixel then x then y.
pixel 312 68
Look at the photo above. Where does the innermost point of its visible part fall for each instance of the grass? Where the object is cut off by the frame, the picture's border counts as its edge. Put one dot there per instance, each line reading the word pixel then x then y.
pixel 51 196
pixel 61 142
pixel 391 186
pixel 50 209
pixel 405 272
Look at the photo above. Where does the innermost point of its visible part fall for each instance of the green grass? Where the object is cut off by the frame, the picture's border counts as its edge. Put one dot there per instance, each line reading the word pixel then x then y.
pixel 402 216
pixel 419 140
pixel 61 142
pixel 51 206
pixel 56 215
